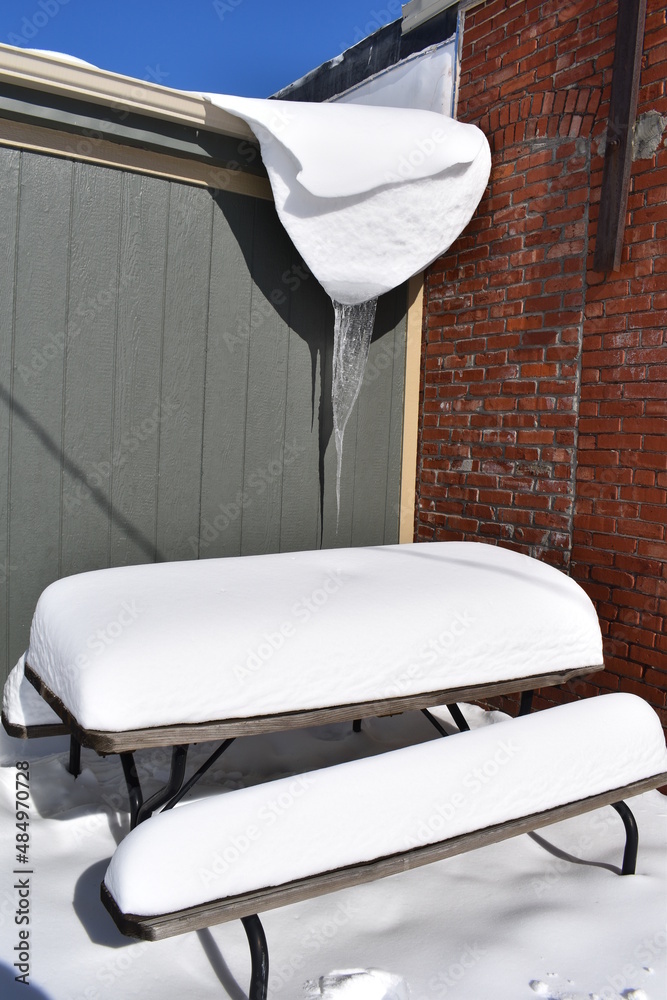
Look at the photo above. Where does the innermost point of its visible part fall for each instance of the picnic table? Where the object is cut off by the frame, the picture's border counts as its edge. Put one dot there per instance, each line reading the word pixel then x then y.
pixel 171 654
pixel 178 653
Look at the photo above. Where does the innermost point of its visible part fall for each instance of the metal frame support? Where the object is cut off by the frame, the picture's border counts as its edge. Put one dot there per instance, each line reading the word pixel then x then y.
pixel 140 810
pixel 631 838
pixel 259 954
pixel 74 766
pixel 526 702
pixel 458 717
pixel 198 774
pixel 434 722
pixel 133 786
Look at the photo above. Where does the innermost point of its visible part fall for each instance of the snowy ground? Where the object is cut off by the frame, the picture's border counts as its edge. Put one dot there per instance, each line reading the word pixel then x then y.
pixel 511 921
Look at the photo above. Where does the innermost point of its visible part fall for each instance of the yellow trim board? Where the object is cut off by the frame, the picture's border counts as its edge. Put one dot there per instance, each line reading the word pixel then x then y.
pixel 37 139
pixel 413 346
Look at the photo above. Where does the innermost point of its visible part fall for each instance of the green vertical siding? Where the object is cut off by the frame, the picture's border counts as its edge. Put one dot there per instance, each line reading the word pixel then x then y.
pixel 165 366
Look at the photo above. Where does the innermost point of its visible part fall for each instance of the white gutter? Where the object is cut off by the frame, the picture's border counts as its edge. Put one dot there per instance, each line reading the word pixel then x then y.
pixel 46 73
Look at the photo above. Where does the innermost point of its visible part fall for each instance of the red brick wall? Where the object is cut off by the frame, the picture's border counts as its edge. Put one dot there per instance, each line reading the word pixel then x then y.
pixel 544 424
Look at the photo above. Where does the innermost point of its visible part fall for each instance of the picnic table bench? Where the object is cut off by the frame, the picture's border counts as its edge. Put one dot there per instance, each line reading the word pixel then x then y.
pixel 179 653
pixel 393 812
pixel 171 654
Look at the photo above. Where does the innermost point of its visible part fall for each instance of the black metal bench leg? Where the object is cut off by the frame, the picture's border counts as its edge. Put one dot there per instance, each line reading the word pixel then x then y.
pixel 133 787
pixel 179 757
pixel 356 726
pixel 74 766
pixel 631 838
pixel 259 953
pixel 140 810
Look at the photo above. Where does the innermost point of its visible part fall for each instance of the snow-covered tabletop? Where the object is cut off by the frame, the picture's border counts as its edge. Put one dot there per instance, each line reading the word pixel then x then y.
pixel 197 641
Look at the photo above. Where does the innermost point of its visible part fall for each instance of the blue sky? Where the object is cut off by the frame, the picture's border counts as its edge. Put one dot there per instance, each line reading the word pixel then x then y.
pixel 247 47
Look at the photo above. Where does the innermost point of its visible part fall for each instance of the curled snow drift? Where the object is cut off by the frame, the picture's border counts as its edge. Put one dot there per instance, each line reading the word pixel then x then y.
pixel 369 195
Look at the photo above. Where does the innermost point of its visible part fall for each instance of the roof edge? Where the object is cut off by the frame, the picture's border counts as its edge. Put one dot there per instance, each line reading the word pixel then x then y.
pixel 45 73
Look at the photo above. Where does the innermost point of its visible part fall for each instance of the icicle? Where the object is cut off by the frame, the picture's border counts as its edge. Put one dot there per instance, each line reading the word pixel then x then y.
pixel 353 329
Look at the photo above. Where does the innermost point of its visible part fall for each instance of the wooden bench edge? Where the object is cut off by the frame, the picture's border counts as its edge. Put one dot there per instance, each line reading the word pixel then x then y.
pixel 160 926
pixel 201 732
pixel 33 732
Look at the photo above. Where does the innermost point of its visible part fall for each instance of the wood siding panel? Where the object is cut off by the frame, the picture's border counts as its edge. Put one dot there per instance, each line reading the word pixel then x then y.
pixel 89 368
pixel 374 404
pixel 138 403
pixel 37 416
pixel 186 297
pixel 223 500
pixel 267 385
pixel 307 405
pixel 9 185
pixel 187 411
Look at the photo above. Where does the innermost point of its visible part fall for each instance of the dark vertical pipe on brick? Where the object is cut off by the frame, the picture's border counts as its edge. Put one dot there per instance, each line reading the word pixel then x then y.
pixel 618 151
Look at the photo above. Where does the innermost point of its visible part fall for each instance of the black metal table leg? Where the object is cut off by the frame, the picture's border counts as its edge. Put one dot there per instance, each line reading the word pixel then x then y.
pixel 631 838
pixel 140 810
pixel 457 716
pixel 133 786
pixel 74 766
pixel 526 702
pixel 259 953
pixel 179 756
pixel 434 722
pixel 198 774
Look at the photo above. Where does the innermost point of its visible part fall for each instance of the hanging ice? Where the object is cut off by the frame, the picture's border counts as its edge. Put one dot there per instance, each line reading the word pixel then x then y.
pixel 353 329
pixel 369 196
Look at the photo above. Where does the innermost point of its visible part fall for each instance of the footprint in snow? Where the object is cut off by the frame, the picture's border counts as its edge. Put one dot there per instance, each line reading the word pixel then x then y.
pixel 358 984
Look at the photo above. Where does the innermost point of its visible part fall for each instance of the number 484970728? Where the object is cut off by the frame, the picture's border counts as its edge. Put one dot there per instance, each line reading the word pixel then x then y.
pixel 22 814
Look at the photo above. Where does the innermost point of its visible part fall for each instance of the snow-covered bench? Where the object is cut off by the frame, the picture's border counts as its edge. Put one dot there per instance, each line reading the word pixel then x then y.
pixel 174 653
pixel 243 852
